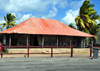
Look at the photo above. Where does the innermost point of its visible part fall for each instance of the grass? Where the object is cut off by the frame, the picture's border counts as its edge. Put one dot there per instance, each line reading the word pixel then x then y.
pixel 5 52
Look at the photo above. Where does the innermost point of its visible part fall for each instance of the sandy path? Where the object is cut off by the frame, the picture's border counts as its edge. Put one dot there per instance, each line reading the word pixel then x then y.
pixel 47 56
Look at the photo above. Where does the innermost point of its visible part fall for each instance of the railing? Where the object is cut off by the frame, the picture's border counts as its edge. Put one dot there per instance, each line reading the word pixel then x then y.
pixel 37 47
pixel 91 51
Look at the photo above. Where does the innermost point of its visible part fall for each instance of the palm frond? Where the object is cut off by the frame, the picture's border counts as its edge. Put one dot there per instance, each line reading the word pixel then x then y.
pixel 95 17
pixel 82 23
pixel 90 5
pixel 2 23
pixel 72 26
pixel 3 26
pixel 91 12
pixel 15 18
pixel 77 19
pixel 10 21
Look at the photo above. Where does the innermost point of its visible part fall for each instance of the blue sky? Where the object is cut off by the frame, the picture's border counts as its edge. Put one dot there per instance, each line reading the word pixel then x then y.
pixel 64 11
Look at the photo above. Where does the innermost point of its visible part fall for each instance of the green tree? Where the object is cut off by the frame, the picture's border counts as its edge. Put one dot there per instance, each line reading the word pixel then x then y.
pixel 10 21
pixel 86 21
pixel 87 17
pixel 95 29
pixel 72 26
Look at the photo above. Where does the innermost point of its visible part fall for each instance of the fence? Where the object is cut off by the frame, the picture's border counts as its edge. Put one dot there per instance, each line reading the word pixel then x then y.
pixel 91 51
pixel 37 47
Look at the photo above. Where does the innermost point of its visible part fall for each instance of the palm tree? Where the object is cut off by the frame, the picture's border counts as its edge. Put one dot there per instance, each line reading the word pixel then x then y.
pixel 10 21
pixel 72 26
pixel 87 17
pixel 86 21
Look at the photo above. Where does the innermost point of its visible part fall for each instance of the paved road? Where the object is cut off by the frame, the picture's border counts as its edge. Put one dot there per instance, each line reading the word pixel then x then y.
pixel 49 64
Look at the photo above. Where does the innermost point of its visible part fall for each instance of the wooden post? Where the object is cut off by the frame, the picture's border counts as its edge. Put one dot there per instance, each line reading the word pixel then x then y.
pixel 4 41
pixel 42 41
pixel 90 50
pixel 81 42
pixel 92 42
pixel 27 46
pixel 70 42
pixel 51 50
pixel 10 40
pixel 28 50
pixel 60 39
pixel 57 41
pixel 72 50
pixel 84 42
pixel 27 41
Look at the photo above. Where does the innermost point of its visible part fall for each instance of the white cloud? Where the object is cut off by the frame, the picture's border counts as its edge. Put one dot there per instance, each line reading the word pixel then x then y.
pixel 76 4
pixel 70 16
pixel 98 22
pixel 2 21
pixel 63 4
pixel 19 15
pixel 23 5
pixel 29 5
pixel 23 18
pixel 52 13
pixel 49 7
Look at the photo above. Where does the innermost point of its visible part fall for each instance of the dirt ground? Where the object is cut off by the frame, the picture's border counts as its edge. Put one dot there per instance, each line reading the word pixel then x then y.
pixel 47 56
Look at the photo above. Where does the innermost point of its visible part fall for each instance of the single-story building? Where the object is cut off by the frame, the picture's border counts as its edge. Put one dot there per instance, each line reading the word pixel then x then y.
pixel 43 32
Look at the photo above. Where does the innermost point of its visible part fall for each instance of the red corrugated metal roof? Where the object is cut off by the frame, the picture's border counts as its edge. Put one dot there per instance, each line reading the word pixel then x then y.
pixel 44 27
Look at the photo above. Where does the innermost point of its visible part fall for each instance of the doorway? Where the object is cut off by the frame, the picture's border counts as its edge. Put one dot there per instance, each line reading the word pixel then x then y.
pixel 13 39
pixel 35 40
